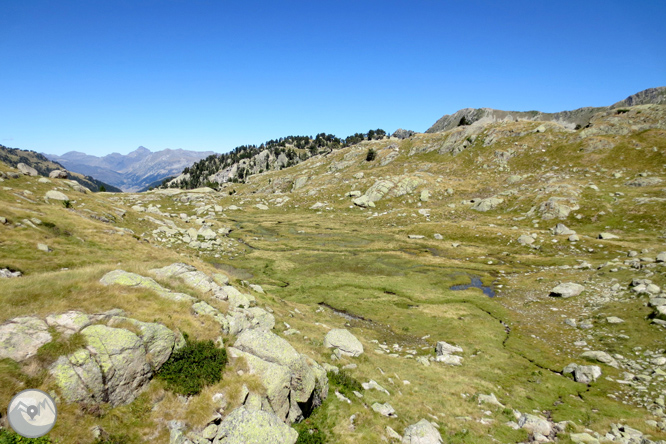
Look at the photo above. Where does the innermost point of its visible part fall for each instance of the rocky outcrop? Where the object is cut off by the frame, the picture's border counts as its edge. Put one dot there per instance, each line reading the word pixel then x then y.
pixel 116 364
pixel 121 277
pixel 245 426
pixel 277 362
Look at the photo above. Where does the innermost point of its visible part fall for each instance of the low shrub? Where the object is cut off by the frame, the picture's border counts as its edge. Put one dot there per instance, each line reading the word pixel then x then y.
pixel 344 381
pixel 372 154
pixel 10 437
pixel 190 369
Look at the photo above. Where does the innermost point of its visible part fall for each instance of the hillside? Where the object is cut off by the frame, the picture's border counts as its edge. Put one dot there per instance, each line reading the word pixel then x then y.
pixel 14 156
pixel 352 295
pixel 247 160
pixel 134 171
pixel 570 119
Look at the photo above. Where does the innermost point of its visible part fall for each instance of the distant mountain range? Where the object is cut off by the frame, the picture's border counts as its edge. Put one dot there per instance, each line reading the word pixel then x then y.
pixel 133 172
pixel 14 156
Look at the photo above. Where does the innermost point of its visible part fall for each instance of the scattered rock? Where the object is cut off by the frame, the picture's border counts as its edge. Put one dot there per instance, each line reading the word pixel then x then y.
pixel 487 204
pixel 7 273
pixel 58 174
pixel 525 239
pixel 600 356
pixel 423 432
pixel 43 247
pixel 583 373
pixel 567 290
pixel 562 230
pixel 384 409
pixel 608 236
pixel 55 195
pixel 343 340
pixel 27 170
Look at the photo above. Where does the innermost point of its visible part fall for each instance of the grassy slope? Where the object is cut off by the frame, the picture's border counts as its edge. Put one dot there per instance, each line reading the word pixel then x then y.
pixel 352 260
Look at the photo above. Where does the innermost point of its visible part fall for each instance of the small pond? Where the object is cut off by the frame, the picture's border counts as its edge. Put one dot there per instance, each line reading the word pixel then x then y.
pixel 476 283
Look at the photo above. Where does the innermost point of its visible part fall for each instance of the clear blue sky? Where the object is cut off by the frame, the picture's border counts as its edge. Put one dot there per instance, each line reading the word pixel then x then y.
pixel 101 76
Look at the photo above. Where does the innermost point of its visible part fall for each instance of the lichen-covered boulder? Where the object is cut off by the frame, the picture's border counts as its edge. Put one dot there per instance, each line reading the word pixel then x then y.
pixel 245 426
pixel 344 341
pixel 116 363
pixel 567 290
pixel 158 340
pixel 423 432
pixel 487 204
pixel 173 270
pixel 121 277
pixel 272 348
pixel 55 195
pixel 21 337
pixel 308 385
pixel 26 170
pixel 275 378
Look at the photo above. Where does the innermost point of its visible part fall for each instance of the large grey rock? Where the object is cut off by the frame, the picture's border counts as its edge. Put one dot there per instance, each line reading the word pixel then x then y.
pixel 567 290
pixel 21 337
pixel 173 270
pixel 27 170
pixel 525 239
pixel 535 424
pixel 245 426
pixel 583 373
pixel 423 432
pixel 661 257
pixel 444 348
pixel 384 409
pixel 402 133
pixel 363 202
pixel 58 174
pixel 55 195
pixel 557 208
pixel 608 236
pixel 487 204
pixel 275 378
pixel 600 356
pixel 272 348
pixel 562 230
pixel 344 341
pixel 158 340
pixel 113 368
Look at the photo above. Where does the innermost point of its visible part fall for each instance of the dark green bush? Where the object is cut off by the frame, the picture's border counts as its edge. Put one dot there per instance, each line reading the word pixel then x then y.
pixel 9 437
pixel 307 435
pixel 344 381
pixel 371 155
pixel 190 369
pixel 113 439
